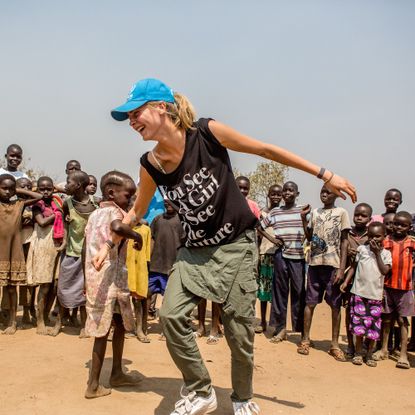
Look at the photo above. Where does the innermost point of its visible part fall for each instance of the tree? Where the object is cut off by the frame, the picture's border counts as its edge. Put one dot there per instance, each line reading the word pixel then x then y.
pixel 266 174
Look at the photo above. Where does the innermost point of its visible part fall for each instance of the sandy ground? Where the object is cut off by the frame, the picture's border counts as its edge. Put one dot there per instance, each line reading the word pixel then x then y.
pixel 45 375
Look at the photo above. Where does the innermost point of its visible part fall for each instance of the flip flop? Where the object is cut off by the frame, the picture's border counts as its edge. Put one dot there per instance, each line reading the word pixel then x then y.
pixel 403 365
pixel 143 339
pixel 258 329
pixel 212 340
pixel 357 360
pixel 337 354
pixel 371 363
pixel 380 356
pixel 278 339
pixel 304 348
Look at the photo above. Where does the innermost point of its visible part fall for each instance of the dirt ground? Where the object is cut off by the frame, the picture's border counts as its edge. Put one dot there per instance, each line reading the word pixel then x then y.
pixel 46 375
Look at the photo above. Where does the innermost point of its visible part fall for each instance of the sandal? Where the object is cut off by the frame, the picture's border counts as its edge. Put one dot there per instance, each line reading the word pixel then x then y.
pixel 350 353
pixel 403 365
pixel 304 348
pixel 337 354
pixel 213 339
pixel 379 355
pixel 371 363
pixel 357 360
pixel 278 338
pixel 143 339
pixel 259 329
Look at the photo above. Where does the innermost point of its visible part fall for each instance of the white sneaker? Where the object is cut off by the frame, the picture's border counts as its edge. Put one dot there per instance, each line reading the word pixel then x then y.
pixel 245 408
pixel 192 404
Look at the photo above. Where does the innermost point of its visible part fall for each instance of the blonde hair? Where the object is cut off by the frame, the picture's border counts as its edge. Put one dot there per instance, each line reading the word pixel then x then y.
pixel 181 111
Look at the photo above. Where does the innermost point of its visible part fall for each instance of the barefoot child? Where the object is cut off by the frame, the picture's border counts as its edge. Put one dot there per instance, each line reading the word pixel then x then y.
pixel 327 230
pixel 266 258
pixel 399 297
pixel 76 210
pixel 45 245
pixel 12 260
pixel 357 236
pixel 107 293
pixel 371 264
pixel 289 264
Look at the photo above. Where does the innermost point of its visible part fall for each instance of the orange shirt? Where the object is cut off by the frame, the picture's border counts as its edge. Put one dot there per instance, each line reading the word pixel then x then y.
pixel 400 277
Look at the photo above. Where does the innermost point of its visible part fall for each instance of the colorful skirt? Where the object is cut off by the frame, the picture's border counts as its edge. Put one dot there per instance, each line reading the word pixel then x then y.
pixel 365 317
pixel 265 275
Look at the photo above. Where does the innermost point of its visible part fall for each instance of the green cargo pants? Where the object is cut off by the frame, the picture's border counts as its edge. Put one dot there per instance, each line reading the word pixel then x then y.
pixel 238 314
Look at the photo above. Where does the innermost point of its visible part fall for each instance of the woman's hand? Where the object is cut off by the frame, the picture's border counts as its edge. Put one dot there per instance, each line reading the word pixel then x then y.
pixel 99 258
pixel 338 185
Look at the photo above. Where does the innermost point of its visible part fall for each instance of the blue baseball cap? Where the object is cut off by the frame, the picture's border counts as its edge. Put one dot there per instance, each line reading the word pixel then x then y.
pixel 143 91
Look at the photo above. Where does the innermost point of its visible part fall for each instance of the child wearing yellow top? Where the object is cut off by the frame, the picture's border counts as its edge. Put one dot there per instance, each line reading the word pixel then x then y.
pixel 138 263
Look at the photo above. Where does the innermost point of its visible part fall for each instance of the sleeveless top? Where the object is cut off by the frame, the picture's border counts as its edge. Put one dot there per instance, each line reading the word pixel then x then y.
pixel 203 191
pixel 76 229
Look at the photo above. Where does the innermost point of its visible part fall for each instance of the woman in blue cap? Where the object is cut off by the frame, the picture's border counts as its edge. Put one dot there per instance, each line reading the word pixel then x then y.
pixel 191 167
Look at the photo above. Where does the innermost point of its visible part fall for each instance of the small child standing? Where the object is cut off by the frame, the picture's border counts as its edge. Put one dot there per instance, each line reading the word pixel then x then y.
pixel 357 236
pixel 371 264
pixel 45 245
pixel 289 264
pixel 266 258
pixel 107 292
pixel 12 260
pixel 76 210
pixel 327 231
pixel 399 297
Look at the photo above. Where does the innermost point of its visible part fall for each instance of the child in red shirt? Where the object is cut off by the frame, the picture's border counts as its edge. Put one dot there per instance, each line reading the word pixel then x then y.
pixel 399 297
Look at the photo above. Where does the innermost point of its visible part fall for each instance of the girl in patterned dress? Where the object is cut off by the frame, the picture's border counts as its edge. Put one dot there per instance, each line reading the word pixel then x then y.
pixel 107 292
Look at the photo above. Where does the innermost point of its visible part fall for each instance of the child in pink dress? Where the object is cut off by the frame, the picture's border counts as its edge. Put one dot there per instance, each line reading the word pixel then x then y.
pixel 107 292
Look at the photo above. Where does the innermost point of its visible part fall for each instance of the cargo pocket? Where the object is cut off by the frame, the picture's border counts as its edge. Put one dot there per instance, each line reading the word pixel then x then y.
pixel 243 302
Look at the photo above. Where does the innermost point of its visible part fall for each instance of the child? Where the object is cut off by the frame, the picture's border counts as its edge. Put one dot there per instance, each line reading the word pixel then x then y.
pixel 138 264
pixel 327 230
pixel 244 185
pixel 167 236
pixel 388 219
pixel 76 210
pixel 107 293
pixel 26 293
pixel 399 297
pixel 358 235
pixel 71 166
pixel 266 258
pixel 392 200
pixel 91 189
pixel 289 264
pixel 45 245
pixel 371 264
pixel 12 261
pixel 14 156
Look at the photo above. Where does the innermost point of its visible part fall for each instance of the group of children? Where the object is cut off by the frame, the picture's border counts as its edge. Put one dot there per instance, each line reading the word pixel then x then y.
pixel 309 255
pixel 49 237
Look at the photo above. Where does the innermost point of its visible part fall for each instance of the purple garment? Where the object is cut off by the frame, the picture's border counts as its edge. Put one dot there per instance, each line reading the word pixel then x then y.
pixel 365 317
pixel 400 301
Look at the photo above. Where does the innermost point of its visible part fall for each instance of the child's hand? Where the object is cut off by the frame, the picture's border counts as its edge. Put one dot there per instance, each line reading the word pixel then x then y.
pixel 279 243
pixel 375 247
pixel 305 211
pixel 62 247
pixel 343 287
pixel 99 258
pixel 339 276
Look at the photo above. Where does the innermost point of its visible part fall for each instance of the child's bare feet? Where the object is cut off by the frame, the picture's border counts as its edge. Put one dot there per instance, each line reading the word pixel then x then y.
pixel 122 379
pixel 200 332
pixel 82 334
pixel 279 337
pixel 55 330
pixel 41 329
pixel 142 337
pixel 381 355
pixel 91 393
pixel 403 363
pixel 11 329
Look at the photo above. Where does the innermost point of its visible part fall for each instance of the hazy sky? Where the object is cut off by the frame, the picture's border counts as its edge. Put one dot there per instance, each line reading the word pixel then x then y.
pixel 331 80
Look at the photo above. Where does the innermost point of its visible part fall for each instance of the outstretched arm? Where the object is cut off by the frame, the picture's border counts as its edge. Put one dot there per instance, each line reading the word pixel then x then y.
pixel 31 197
pixel 236 141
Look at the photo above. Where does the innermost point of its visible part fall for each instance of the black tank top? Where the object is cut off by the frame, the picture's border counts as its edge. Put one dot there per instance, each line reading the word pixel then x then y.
pixel 203 190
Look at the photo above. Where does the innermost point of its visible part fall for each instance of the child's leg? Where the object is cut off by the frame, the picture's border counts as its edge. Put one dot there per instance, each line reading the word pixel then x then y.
pixel 41 307
pixel 50 299
pixel 201 311
pixel 24 301
pixel 118 377
pixel 403 362
pixel 308 318
pixel 82 313
pixel 358 356
pixel 264 305
pixel 215 329
pixel 32 304
pixel 12 325
pixel 152 311
pixel 58 323
pixel 74 317
pixel 335 327
pixel 139 316
pixel 411 344
pixel 350 344
pixel 296 272
pixel 94 389
pixel 383 353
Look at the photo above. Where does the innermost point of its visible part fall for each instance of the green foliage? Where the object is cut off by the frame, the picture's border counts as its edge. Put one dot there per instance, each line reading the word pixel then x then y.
pixel 266 174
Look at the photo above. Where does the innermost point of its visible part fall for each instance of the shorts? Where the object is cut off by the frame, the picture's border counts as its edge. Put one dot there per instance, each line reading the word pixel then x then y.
pixel 399 301
pixel 320 285
pixel 157 283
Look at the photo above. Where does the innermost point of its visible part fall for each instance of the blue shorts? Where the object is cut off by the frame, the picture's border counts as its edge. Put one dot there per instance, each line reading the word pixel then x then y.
pixel 157 283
